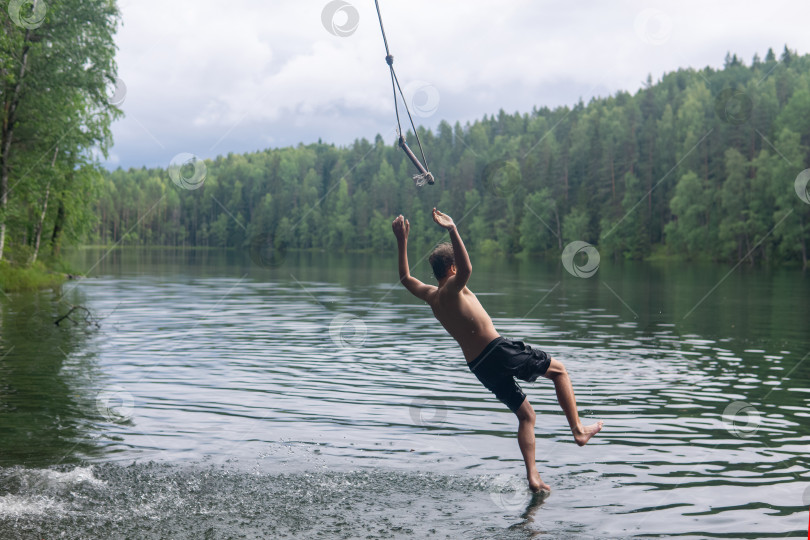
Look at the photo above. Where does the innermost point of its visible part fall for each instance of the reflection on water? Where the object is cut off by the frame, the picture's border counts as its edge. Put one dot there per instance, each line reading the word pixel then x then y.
pixel 47 377
pixel 322 384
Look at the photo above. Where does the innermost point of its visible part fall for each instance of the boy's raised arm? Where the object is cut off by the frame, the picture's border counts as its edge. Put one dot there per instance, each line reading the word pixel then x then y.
pixel 460 255
pixel 401 228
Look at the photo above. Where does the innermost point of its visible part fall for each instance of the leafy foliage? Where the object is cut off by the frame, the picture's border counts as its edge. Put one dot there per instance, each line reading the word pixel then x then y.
pixel 55 115
pixel 701 163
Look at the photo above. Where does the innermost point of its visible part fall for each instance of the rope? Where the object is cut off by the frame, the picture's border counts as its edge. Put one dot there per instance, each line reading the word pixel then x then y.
pixel 425 175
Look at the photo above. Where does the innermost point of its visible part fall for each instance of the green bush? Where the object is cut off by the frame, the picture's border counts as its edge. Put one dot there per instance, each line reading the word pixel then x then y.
pixel 28 278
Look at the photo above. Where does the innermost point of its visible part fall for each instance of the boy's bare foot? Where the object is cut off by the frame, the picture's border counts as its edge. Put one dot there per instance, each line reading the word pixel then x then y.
pixel 536 484
pixel 587 432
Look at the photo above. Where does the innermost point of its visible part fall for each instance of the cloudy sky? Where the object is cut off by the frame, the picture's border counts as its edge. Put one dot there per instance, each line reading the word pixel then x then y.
pixel 209 77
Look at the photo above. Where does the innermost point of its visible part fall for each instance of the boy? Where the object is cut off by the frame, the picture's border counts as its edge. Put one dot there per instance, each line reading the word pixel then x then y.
pixel 495 360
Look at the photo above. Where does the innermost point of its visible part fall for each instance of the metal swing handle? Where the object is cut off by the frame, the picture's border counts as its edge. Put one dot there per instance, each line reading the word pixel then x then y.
pixel 422 170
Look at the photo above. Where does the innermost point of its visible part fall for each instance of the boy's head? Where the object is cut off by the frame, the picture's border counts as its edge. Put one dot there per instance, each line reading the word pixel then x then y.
pixel 441 259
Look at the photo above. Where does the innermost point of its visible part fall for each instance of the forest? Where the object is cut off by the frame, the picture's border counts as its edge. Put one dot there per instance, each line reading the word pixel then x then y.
pixel 703 164
pixel 700 164
pixel 57 84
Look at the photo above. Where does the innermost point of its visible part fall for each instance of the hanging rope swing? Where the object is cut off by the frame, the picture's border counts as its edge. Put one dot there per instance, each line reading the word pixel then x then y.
pixel 424 175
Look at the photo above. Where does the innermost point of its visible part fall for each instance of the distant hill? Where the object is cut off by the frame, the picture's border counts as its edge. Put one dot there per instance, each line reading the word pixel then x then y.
pixel 700 164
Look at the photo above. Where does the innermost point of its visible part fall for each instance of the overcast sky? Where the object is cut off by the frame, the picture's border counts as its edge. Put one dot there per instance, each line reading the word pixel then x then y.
pixel 209 77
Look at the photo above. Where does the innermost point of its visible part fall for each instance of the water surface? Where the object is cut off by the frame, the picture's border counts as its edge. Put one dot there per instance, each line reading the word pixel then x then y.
pixel 209 397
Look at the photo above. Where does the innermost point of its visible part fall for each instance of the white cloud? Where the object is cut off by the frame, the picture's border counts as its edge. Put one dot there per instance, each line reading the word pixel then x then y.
pixel 211 77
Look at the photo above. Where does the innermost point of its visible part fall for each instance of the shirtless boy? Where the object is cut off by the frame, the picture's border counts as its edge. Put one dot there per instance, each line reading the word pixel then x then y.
pixel 495 360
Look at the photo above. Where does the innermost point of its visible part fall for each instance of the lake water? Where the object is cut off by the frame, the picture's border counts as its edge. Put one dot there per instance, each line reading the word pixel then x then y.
pixel 208 397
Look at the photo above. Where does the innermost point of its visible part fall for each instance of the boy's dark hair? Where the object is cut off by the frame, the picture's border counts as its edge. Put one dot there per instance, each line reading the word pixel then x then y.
pixel 441 258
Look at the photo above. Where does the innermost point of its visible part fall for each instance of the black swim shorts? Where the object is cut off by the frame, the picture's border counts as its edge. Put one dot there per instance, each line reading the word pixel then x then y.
pixel 503 360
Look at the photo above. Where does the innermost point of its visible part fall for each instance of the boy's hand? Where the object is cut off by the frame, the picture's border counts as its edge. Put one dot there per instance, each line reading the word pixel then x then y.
pixel 401 228
pixel 443 220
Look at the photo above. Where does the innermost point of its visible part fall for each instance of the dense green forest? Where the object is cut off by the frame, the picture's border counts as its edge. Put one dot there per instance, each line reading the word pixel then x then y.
pixel 57 69
pixel 700 164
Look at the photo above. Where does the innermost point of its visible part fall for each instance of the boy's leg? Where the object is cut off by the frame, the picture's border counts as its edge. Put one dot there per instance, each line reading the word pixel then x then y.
pixel 565 396
pixel 526 418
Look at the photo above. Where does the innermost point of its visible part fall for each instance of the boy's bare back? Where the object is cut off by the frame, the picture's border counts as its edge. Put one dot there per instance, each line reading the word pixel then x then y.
pixel 453 304
pixel 464 318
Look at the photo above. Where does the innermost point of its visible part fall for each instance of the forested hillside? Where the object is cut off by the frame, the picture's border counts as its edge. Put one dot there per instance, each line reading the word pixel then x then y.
pixel 700 164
